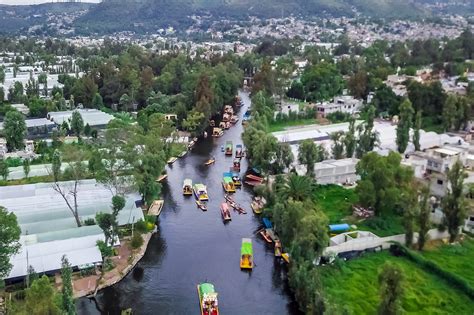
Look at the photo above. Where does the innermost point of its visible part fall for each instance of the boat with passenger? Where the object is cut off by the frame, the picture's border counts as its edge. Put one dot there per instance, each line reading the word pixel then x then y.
pixel 236 165
pixel 217 132
pixel 188 187
pixel 228 184
pixel 208 299
pixel 201 205
pixel 225 212
pixel 239 153
pixel 210 161
pixel 200 192
pixel 228 148
pixel 277 249
pixel 246 254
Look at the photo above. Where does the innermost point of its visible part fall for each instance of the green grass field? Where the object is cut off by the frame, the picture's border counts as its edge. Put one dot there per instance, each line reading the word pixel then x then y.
pixel 354 287
pixel 458 259
pixel 281 125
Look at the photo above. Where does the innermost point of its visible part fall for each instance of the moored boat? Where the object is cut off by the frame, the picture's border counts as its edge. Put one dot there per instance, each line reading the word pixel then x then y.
pixel 239 153
pixel 265 236
pixel 188 187
pixel 256 207
pixel 236 165
pixel 240 209
pixel 162 178
pixel 246 254
pixel 217 132
pixel 286 257
pixel 225 212
pixel 201 205
pixel 228 185
pixel 277 249
pixel 182 154
pixel 172 160
pixel 230 200
pixel 210 161
pixel 234 119
pixel 208 299
pixel 228 148
pixel 200 191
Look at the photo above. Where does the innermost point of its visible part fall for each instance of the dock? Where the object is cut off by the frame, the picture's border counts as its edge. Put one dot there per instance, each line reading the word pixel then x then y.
pixel 156 207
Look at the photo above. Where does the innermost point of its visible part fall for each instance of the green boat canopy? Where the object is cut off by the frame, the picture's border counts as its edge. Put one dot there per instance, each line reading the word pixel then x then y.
pixel 206 288
pixel 246 249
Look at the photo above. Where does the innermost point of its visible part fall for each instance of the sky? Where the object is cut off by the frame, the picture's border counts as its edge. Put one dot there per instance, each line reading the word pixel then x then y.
pixel 18 2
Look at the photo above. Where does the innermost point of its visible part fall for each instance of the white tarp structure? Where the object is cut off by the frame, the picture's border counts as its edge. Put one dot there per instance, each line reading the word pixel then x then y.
pixel 93 117
pixel 49 229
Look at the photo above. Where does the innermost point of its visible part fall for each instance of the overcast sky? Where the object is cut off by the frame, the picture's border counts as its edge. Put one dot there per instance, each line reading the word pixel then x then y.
pixel 36 1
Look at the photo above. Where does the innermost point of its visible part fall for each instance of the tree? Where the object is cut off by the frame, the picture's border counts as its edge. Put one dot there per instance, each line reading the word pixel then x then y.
pixel 296 187
pixel 87 130
pixel 309 154
pixel 2 75
pixel 76 169
pixel 350 139
pixel 106 222
pixel 454 204
pixel 77 123
pixel 449 112
pixel 9 236
pixel 416 131
pixel 358 84
pixel 41 298
pixel 410 212
pixel 97 101
pixel 14 129
pixel 322 81
pixel 338 145
pixel 26 167
pixel 391 289
pixel 95 164
pixel 284 158
pixel 423 217
pixel 67 292
pixel 367 137
pixel 4 171
pixel 404 125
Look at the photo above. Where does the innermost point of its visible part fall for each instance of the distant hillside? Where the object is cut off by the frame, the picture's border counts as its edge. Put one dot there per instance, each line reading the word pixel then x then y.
pixel 147 15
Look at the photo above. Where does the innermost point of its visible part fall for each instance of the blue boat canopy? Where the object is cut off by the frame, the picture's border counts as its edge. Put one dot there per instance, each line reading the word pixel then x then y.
pixel 339 227
pixel 267 223
pixel 228 174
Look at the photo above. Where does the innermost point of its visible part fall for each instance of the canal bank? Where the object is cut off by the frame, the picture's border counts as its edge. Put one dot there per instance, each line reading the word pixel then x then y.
pixel 194 246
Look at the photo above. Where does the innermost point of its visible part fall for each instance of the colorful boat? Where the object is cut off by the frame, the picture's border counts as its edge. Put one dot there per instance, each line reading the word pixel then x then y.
pixel 225 212
pixel 201 205
pixel 188 187
pixel 228 185
pixel 162 178
pixel 246 116
pixel 239 153
pixel 172 160
pixel 230 200
pixel 217 132
pixel 236 165
pixel 240 209
pixel 228 148
pixel 277 249
pixel 208 299
pixel 200 192
pixel 267 238
pixel 256 207
pixel 286 257
pixel 210 161
pixel 246 254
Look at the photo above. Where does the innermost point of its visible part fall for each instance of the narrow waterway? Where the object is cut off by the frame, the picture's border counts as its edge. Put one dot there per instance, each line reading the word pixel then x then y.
pixel 192 246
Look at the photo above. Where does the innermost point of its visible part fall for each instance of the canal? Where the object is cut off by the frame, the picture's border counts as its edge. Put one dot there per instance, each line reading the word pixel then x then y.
pixel 192 246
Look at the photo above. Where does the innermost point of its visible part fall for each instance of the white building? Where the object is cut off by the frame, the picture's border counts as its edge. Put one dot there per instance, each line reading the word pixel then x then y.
pixel 333 171
pixel 93 117
pixel 345 104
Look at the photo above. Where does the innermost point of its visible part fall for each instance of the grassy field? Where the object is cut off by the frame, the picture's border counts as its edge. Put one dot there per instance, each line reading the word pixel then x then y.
pixel 336 201
pixel 281 125
pixel 457 259
pixel 354 287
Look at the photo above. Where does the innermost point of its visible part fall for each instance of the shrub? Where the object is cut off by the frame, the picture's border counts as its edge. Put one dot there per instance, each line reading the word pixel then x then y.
pixel 105 250
pixel 89 221
pixel 141 226
pixel 137 241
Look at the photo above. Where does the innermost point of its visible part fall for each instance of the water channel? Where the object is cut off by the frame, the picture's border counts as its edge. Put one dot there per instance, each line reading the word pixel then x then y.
pixel 192 246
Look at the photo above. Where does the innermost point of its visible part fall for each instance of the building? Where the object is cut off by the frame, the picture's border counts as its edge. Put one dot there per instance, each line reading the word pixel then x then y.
pixel 95 118
pixel 37 127
pixel 287 108
pixel 333 171
pixel 344 104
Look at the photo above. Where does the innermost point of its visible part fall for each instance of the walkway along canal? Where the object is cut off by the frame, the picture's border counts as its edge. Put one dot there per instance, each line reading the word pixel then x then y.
pixel 193 246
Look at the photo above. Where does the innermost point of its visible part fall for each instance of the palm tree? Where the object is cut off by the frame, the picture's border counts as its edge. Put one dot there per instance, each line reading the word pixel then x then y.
pixel 298 188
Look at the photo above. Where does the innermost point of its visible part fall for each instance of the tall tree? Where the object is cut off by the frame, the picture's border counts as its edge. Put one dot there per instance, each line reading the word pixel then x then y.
pixel 338 145
pixel 284 158
pixel 404 125
pixel 26 167
pixel 77 123
pixel 9 236
pixel 41 298
pixel 350 139
pixel 296 187
pixel 449 112
pixel 416 131
pixel 309 154
pixel 14 129
pixel 391 289
pixel 454 204
pixel 4 170
pixel 410 212
pixel 67 292
pixel 367 136
pixel 423 217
